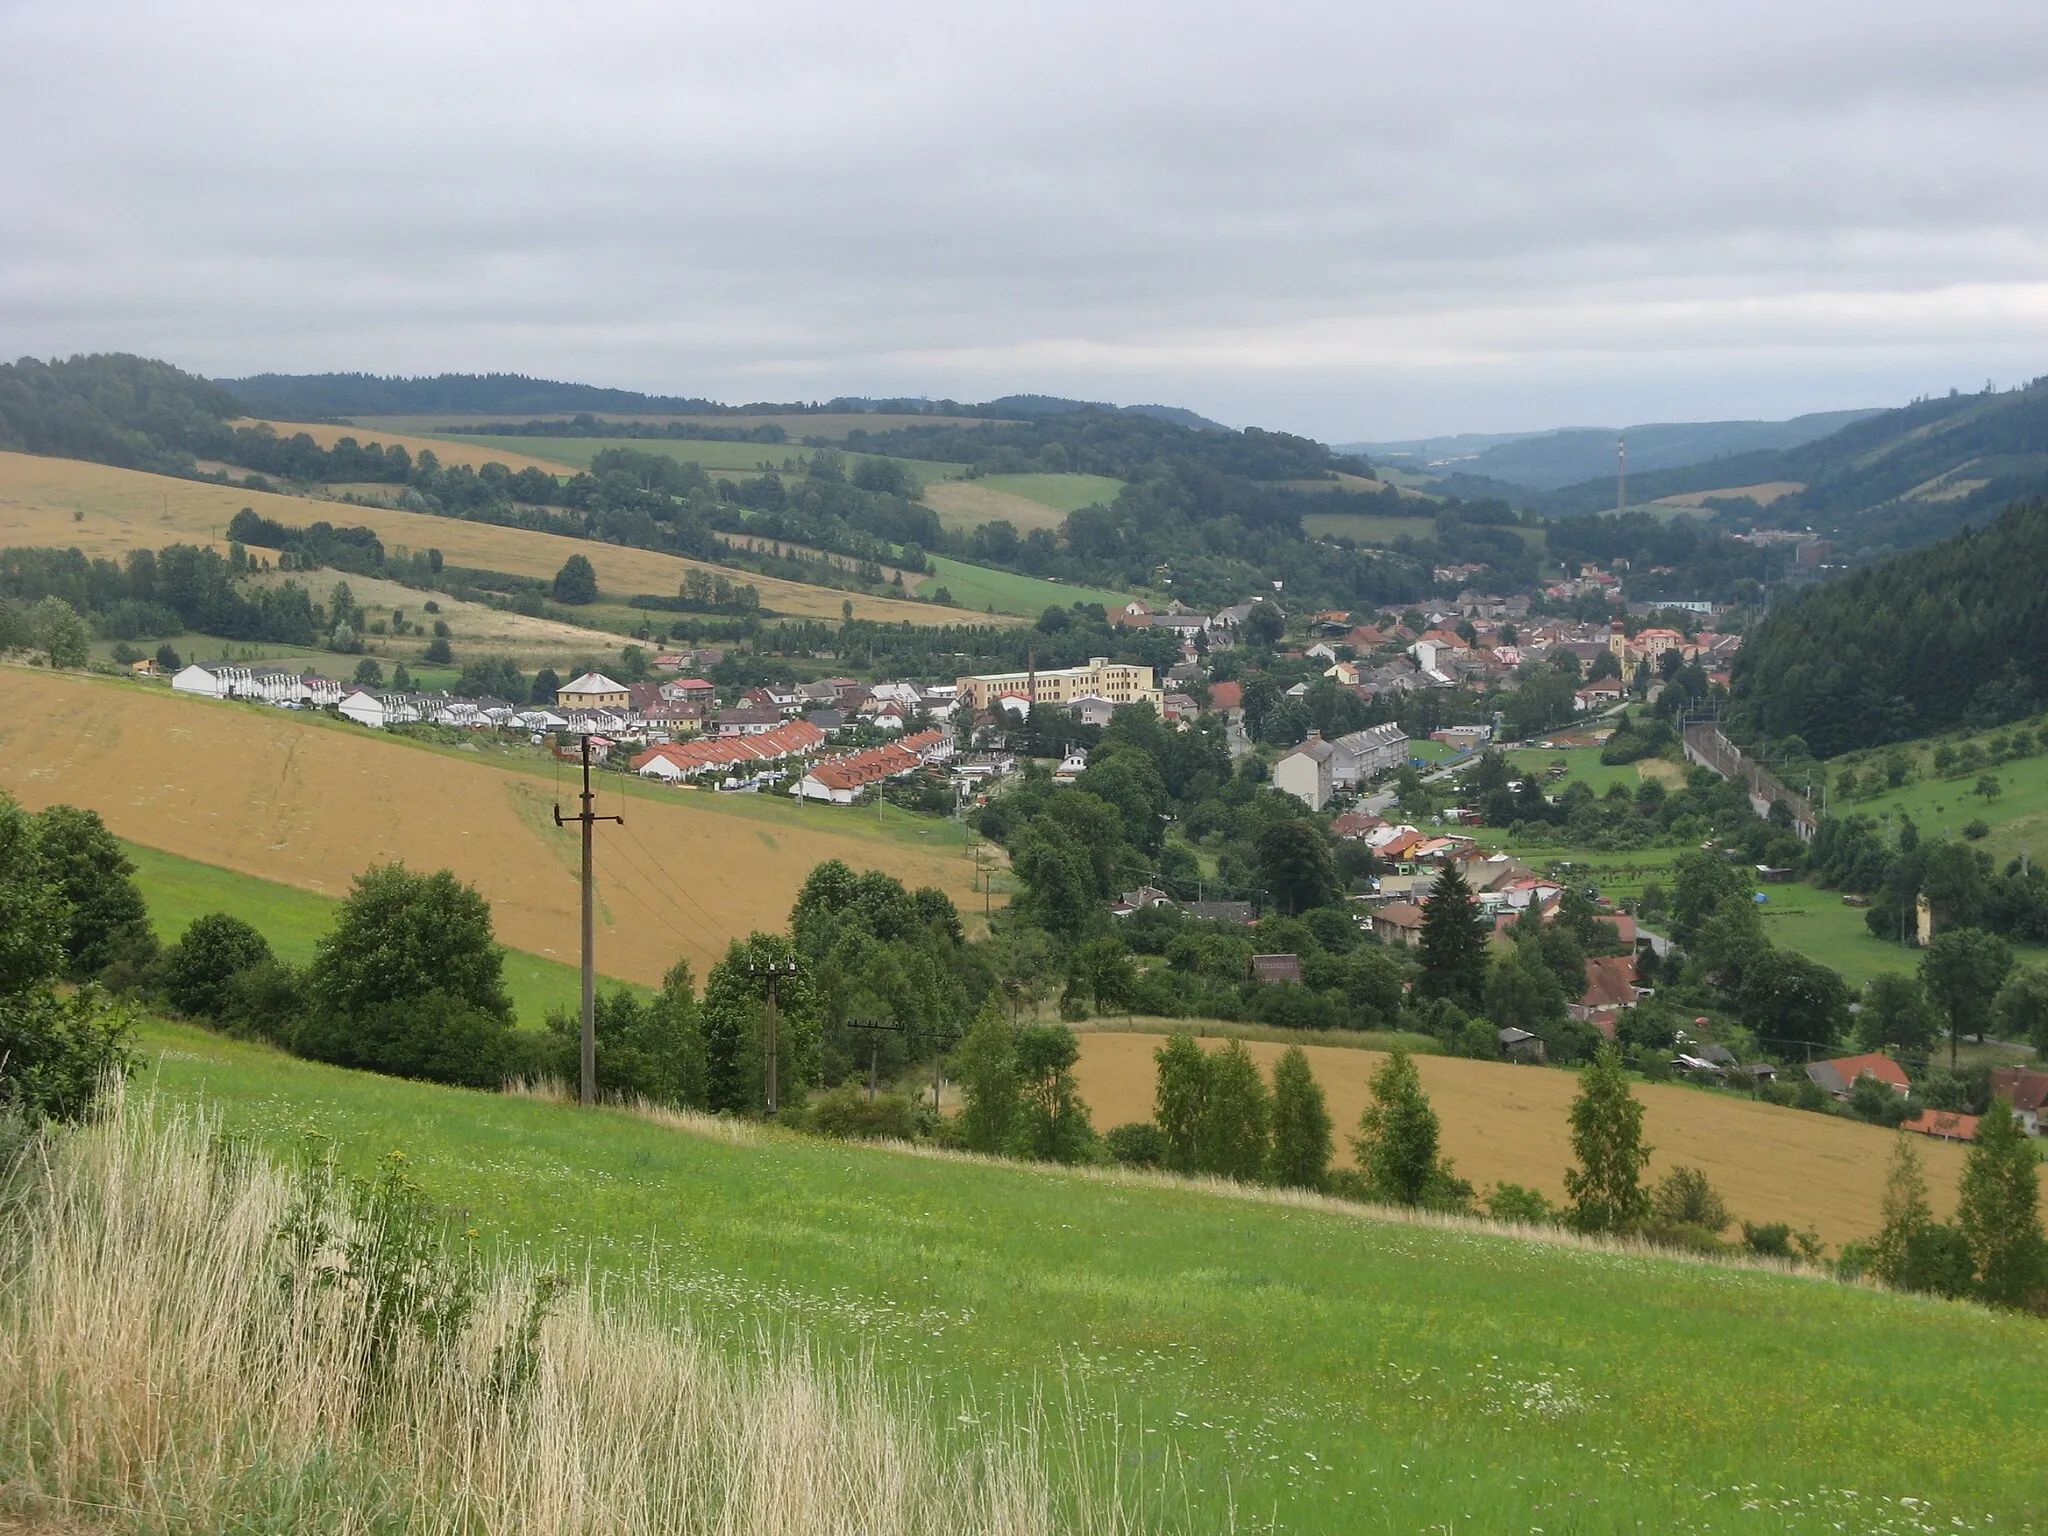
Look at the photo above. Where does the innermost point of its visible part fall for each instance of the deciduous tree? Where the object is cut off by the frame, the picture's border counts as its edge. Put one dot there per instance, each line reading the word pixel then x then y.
pixel 1301 1124
pixel 1998 1211
pixel 1606 1187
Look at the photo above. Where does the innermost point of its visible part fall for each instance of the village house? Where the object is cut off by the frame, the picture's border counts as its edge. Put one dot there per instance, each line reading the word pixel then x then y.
pixel 1836 1077
pixel 2027 1092
pixel 746 720
pixel 1398 923
pixel 1307 772
pixel 593 690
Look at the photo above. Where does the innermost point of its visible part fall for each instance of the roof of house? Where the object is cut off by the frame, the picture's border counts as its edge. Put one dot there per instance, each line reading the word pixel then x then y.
pixel 1270 968
pixel 1226 695
pixel 1315 749
pixel 1398 914
pixel 2026 1089
pixel 1610 981
pixel 591 683
pixel 1839 1074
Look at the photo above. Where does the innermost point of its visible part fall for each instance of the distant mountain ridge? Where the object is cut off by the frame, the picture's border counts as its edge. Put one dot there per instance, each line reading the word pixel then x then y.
pixel 330 396
pixel 1548 460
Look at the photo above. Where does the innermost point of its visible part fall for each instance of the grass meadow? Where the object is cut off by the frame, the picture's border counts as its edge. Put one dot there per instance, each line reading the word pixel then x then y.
pixel 981 587
pixel 718 458
pixel 1306 1367
pixel 1063 493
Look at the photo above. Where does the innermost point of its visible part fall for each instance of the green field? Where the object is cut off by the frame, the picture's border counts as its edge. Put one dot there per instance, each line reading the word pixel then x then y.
pixel 746 458
pixel 981 587
pixel 1063 493
pixel 1364 527
pixel 178 890
pixel 1307 1369
pixel 2017 815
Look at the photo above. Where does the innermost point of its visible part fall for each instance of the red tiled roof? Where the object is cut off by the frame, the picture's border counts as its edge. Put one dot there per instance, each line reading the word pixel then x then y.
pixel 1942 1124
pixel 700 756
pixel 1226 695
pixel 1872 1064
pixel 2027 1090
pixel 1610 981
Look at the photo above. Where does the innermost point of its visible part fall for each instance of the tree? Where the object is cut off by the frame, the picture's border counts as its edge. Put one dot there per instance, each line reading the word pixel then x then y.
pixel 168 660
pixel 576 581
pixel 1301 1124
pixel 1998 1211
pixel 985 1066
pixel 438 651
pixel 1180 1096
pixel 1236 1126
pixel 1522 992
pixel 1053 1124
pixel 1788 999
pixel 495 677
pixel 1962 971
pixel 734 1012
pixel 1454 942
pixel 1105 969
pixel 60 634
pixel 1607 1138
pixel 2020 1012
pixel 1684 1198
pixel 108 920
pixel 1913 1251
pixel 1703 884
pixel 213 951
pixel 1896 1013
pixel 368 673
pixel 1295 866
pixel 545 682
pixel 402 935
pixel 1397 1138
pixel 1989 787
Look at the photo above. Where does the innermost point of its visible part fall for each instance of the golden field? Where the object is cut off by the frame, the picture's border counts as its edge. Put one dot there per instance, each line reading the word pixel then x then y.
pixel 67 503
pixel 969 504
pixel 476 455
pixel 1504 1122
pixel 309 802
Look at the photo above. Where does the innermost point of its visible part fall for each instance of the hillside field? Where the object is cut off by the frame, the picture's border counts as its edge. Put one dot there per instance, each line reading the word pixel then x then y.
pixel 1364 527
pixel 809 424
pixel 309 802
pixel 1307 1367
pixel 982 588
pixel 67 503
pixel 719 458
pixel 178 890
pixel 448 451
pixel 1509 1123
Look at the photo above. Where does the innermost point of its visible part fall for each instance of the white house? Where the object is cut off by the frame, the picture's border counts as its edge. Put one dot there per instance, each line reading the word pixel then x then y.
pixel 377 710
pixel 1072 766
pixel 212 680
pixel 1092 709
pixel 667 769
pixel 1305 772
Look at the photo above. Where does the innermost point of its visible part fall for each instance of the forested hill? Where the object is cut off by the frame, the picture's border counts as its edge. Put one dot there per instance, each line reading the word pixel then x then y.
pixel 1952 635
pixel 1111 442
pixel 328 396
pixel 1888 482
pixel 111 408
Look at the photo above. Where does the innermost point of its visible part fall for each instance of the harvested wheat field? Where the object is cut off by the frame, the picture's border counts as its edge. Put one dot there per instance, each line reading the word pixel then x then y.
pixel 476 455
pixel 1504 1122
pixel 965 504
pixel 67 503
pixel 309 802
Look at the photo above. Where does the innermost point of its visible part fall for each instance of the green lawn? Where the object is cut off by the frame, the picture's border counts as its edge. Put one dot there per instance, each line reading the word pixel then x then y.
pixel 178 890
pixel 980 587
pixel 1063 493
pixel 1310 1370
pixel 2017 815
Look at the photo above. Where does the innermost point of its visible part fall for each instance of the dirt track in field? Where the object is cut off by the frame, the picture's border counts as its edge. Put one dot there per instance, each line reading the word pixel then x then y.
pixel 66 503
pixel 1509 1123
pixel 308 803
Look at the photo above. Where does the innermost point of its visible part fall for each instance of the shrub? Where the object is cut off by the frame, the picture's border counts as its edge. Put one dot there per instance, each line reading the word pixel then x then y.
pixel 847 1113
pixel 214 950
pixel 1141 1144
pixel 1517 1202
pixel 1771 1239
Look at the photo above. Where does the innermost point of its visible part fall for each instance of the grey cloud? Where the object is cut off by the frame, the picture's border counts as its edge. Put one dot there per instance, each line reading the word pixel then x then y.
pixel 1352 220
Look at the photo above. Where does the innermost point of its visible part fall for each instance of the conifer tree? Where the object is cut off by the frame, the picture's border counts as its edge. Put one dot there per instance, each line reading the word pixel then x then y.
pixel 1454 935
pixel 1607 1138
pixel 1999 1211
pixel 1236 1118
pixel 1301 1124
pixel 1179 1099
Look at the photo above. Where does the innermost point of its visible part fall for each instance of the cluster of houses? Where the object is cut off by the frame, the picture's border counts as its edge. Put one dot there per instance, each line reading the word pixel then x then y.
pixel 2025 1089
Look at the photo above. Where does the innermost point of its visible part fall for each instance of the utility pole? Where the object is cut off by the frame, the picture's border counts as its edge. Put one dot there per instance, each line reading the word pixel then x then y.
pixel 874 1029
pixel 772 972
pixel 588 819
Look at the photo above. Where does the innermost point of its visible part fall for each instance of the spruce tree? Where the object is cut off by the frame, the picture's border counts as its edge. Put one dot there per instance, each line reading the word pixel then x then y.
pixel 1179 1099
pixel 1236 1119
pixel 1397 1136
pixel 1999 1211
pixel 1454 937
pixel 1607 1138
pixel 1301 1124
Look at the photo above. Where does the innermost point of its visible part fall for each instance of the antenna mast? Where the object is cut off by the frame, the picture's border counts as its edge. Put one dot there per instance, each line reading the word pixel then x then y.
pixel 1621 474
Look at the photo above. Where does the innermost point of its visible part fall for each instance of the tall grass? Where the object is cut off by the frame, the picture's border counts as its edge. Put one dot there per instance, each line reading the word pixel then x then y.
pixel 193 1339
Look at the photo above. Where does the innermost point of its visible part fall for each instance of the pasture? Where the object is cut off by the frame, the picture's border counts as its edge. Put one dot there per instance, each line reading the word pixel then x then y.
pixel 964 505
pixel 448 450
pixel 67 503
pixel 983 588
pixel 178 890
pixel 1365 527
pixel 722 459
pixel 309 802
pixel 1273 1365
pixel 827 424
pixel 1509 1123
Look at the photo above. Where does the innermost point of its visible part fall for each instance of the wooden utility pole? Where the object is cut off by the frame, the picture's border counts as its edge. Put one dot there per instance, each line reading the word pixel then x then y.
pixel 772 972
pixel 587 819
pixel 874 1029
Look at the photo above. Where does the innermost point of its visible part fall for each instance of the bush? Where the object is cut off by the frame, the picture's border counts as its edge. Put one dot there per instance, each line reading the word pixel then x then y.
pixel 1140 1144
pixel 846 1112
pixel 1517 1202
pixel 434 1035
pixel 264 1002
pixel 214 950
pixel 1771 1239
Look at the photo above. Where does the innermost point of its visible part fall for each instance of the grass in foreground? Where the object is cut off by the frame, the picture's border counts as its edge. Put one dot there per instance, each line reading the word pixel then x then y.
pixel 195 1341
pixel 1312 1369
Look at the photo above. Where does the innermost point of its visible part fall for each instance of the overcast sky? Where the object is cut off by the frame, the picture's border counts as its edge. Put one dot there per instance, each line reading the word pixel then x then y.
pixel 1352 220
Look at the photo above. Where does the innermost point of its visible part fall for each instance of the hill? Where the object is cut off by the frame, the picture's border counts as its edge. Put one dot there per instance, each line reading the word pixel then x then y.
pixel 1890 481
pixel 309 802
pixel 1326 1369
pixel 317 395
pixel 1912 646
pixel 67 503
pixel 1549 460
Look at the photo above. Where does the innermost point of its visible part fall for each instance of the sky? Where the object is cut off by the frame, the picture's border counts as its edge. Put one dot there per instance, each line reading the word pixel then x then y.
pixel 1355 221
